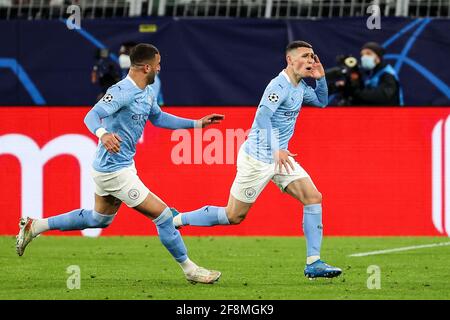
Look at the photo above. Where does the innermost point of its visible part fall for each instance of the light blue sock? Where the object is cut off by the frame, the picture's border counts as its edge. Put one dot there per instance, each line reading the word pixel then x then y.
pixel 169 236
pixel 206 216
pixel 313 229
pixel 79 219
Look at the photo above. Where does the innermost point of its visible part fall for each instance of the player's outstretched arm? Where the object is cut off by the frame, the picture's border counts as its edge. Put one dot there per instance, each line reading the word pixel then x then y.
pixel 169 121
pixel 210 119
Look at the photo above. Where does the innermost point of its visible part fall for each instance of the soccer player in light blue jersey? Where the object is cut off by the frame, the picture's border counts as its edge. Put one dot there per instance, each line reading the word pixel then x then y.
pixel 265 156
pixel 118 120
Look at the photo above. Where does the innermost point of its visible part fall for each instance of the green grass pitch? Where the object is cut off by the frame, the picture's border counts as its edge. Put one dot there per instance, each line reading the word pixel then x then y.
pixel 252 268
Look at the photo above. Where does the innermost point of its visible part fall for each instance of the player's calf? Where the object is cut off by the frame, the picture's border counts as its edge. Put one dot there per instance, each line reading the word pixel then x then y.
pixel 206 217
pixel 80 219
pixel 171 239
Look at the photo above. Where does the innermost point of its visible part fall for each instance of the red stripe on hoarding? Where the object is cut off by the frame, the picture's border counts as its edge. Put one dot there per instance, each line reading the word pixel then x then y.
pixel 372 166
pixel 443 170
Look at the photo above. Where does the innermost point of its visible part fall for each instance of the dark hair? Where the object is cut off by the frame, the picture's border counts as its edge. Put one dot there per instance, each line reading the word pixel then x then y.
pixel 142 52
pixel 375 47
pixel 297 44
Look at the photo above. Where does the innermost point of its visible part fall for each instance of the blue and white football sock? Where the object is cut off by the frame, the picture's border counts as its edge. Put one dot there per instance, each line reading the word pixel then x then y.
pixel 171 237
pixel 38 226
pixel 79 219
pixel 206 216
pixel 313 229
pixel 188 266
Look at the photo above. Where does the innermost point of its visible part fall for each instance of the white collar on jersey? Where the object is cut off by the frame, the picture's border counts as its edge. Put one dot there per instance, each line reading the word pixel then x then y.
pixel 286 76
pixel 132 81
pixel 284 73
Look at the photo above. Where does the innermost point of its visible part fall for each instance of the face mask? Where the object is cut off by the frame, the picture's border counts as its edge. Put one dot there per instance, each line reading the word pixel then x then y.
pixel 124 61
pixel 368 62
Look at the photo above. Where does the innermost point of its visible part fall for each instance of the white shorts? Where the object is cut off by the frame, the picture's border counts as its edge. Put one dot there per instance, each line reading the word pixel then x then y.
pixel 253 176
pixel 123 184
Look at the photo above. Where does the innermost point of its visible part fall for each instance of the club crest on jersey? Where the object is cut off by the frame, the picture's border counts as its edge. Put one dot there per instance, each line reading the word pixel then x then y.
pixel 133 194
pixel 250 193
pixel 107 98
pixel 273 97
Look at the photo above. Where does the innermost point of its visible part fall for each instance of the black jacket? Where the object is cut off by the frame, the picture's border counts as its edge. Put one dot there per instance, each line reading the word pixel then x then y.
pixel 386 94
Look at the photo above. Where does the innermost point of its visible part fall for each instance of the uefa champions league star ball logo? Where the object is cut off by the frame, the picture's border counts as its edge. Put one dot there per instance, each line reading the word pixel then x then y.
pixel 250 193
pixel 107 98
pixel 133 194
pixel 273 97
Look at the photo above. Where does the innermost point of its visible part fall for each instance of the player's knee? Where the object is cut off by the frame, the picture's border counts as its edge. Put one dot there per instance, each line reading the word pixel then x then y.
pixel 101 220
pixel 312 198
pixel 236 217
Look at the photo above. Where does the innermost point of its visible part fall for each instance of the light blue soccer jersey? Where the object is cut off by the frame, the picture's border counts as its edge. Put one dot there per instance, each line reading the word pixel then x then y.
pixel 128 108
pixel 285 101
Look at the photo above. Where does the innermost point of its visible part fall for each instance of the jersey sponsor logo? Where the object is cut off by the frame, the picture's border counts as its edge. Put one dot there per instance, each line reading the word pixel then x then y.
pixel 139 117
pixel 273 97
pixel 107 98
pixel 291 113
pixel 139 120
pixel 133 194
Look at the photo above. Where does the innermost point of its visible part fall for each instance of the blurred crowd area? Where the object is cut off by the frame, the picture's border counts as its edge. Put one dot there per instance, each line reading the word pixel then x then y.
pixel 380 53
pixel 51 9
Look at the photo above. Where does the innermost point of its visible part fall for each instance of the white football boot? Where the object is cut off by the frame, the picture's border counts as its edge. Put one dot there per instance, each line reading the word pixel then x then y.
pixel 25 235
pixel 202 275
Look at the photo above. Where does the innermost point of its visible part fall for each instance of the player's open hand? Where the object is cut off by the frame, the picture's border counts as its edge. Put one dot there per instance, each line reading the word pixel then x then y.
pixel 282 160
pixel 211 119
pixel 317 68
pixel 111 142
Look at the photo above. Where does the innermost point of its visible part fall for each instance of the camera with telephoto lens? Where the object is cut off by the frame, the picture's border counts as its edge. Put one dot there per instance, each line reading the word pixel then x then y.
pixel 343 79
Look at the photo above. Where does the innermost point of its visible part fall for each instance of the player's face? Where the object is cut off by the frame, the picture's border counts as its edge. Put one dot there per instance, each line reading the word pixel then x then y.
pixel 153 68
pixel 301 61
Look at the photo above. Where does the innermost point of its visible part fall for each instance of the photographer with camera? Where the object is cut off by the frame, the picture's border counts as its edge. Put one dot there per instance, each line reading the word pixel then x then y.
pixel 381 82
pixel 105 71
pixel 374 82
pixel 343 80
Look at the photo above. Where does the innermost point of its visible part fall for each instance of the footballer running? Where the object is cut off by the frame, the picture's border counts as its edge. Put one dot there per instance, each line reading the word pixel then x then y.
pixel 265 157
pixel 118 120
